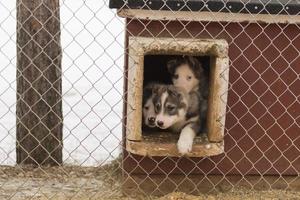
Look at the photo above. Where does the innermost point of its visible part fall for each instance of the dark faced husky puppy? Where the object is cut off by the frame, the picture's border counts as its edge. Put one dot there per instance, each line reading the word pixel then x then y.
pixel 148 107
pixel 187 72
pixel 178 111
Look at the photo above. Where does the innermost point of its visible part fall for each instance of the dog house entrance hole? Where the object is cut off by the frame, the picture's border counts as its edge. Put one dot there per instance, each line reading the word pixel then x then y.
pixel 148 63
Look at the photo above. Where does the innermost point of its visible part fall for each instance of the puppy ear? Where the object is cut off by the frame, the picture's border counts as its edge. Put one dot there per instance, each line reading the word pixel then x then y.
pixel 171 65
pixel 147 93
pixel 155 88
pixel 175 91
pixel 180 94
pixel 196 66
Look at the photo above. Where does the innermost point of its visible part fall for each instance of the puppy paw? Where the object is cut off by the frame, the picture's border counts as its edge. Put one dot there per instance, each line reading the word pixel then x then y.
pixel 184 145
pixel 186 139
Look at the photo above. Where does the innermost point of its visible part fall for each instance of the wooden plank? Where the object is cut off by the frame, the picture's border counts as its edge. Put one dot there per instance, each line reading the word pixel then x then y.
pixel 217 98
pixel 165 144
pixel 134 90
pixel 206 16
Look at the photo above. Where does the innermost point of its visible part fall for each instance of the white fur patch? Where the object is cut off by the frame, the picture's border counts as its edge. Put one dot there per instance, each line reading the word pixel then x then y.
pixel 167 120
pixel 161 116
pixel 186 139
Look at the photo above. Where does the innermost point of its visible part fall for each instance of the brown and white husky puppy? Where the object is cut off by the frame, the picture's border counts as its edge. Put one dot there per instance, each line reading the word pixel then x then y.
pixel 187 72
pixel 178 111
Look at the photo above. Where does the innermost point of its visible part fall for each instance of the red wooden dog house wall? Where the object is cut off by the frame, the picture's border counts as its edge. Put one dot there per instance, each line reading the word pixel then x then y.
pixel 261 133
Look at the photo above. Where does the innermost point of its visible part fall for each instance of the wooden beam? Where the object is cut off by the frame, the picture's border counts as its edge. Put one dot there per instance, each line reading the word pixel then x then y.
pixel 207 16
pixel 165 144
pixel 39 101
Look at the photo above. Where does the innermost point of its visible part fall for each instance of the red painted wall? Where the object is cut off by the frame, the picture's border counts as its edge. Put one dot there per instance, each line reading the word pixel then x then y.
pixel 262 130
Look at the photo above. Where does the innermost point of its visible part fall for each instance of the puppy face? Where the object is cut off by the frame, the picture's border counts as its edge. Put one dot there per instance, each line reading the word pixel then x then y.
pixel 169 106
pixel 186 71
pixel 148 106
pixel 149 113
pixel 185 78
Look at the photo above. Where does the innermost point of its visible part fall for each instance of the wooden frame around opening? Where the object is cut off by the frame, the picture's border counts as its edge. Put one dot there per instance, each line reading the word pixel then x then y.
pixel 218 51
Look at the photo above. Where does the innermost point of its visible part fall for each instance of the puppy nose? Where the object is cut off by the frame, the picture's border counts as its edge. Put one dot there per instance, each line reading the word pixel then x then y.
pixel 160 123
pixel 151 120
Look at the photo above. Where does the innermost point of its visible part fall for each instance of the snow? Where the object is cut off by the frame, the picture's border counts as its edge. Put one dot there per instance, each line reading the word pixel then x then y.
pixel 93 43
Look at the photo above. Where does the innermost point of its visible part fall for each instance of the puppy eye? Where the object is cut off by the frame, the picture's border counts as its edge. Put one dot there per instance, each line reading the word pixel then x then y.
pixel 171 108
pixel 176 76
pixel 146 107
pixel 189 78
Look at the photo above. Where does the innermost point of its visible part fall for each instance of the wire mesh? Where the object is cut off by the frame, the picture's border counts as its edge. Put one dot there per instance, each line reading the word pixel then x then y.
pixel 262 120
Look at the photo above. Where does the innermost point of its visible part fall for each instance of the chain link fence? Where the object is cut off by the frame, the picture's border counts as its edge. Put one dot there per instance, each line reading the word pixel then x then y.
pixel 90 86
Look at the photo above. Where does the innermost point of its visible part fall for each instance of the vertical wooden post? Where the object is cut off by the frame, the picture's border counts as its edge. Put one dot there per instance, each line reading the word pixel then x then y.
pixel 39 103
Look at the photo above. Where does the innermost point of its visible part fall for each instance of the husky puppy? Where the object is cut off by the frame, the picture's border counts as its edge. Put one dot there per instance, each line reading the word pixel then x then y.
pixel 187 72
pixel 148 106
pixel 178 111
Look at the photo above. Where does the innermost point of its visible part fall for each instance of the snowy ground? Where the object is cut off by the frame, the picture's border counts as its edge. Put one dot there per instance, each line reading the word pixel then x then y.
pixel 92 41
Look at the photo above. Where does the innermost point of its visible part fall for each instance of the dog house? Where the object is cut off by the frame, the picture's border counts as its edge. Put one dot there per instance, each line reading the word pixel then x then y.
pixel 253 52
